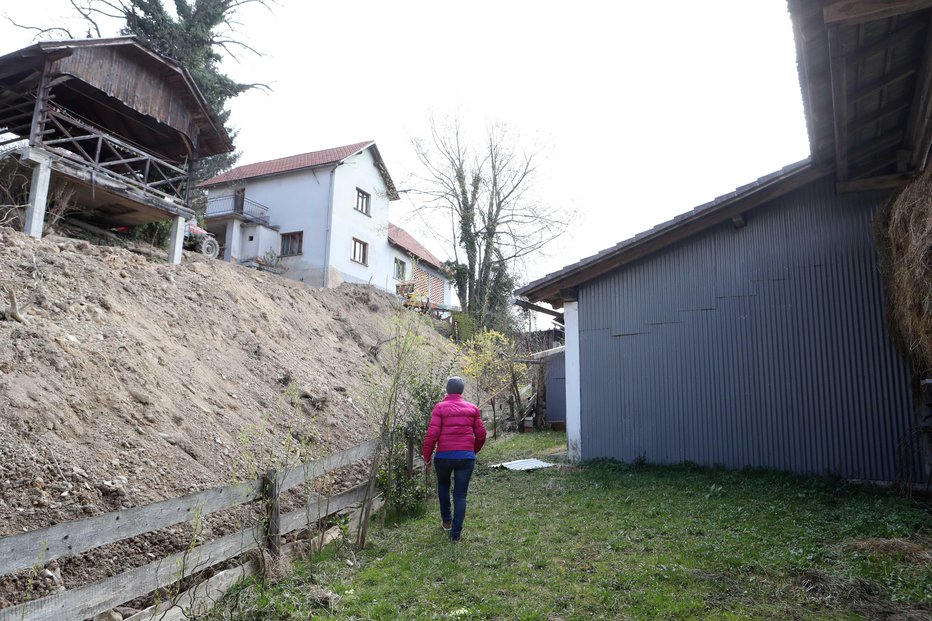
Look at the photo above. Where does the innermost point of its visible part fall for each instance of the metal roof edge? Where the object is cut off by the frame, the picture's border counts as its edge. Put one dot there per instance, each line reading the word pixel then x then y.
pixel 574 274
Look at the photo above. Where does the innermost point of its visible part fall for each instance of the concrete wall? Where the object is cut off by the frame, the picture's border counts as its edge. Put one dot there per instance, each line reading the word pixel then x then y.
pixel 759 346
pixel 263 240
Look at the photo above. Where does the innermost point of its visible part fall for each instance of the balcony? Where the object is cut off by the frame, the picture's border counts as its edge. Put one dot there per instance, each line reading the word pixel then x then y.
pixel 237 205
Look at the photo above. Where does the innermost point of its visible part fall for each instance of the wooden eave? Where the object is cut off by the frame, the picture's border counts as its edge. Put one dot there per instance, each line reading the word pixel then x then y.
pixel 210 137
pixel 865 70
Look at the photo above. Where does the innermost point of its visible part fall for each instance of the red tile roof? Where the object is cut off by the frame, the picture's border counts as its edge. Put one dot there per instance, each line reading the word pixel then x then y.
pixel 292 162
pixel 400 238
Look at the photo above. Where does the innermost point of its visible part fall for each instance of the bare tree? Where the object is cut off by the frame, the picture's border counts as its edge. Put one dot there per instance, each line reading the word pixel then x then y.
pixel 485 189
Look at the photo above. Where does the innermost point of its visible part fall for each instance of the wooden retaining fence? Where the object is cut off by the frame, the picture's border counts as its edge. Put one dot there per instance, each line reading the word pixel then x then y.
pixel 27 550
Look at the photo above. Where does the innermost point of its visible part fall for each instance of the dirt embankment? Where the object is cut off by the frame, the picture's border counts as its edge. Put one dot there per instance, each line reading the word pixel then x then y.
pixel 133 380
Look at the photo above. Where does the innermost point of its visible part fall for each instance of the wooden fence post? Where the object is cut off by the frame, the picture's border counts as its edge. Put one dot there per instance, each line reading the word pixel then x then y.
pixel 273 519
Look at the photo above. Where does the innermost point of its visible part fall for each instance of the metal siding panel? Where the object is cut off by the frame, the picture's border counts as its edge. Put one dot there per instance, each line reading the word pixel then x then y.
pixel 760 346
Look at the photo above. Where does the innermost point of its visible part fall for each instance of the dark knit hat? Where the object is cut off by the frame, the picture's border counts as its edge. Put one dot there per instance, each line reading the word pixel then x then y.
pixel 455 386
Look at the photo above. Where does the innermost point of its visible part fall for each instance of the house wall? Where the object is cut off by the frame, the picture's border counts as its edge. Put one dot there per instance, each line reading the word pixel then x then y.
pixel 759 346
pixel 297 201
pixel 360 172
pixel 263 240
pixel 412 267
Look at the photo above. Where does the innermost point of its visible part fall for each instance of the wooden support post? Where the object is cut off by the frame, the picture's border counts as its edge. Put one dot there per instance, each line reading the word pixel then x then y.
pixel 273 516
pixel 839 102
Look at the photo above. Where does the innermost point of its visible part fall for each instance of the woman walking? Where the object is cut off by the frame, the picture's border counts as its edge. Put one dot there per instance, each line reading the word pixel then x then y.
pixel 457 432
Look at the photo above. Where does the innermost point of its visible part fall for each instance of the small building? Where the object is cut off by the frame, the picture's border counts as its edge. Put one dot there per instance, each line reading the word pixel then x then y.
pixel 416 264
pixel 750 330
pixel 120 123
pixel 323 216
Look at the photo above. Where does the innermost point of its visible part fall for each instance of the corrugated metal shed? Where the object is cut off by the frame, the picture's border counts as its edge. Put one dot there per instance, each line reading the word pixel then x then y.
pixel 756 346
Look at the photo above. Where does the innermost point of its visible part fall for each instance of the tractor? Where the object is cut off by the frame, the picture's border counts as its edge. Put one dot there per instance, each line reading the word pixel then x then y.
pixel 196 238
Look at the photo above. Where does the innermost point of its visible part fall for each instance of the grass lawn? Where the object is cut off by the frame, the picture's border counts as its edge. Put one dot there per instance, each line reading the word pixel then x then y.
pixel 614 541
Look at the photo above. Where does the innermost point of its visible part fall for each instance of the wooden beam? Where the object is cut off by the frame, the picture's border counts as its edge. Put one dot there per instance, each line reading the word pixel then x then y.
pixel 884 182
pixel 839 72
pixel 875 146
pixel 850 12
pixel 882 82
pixel 919 125
pixel 898 36
pixel 858 123
pixel 540 309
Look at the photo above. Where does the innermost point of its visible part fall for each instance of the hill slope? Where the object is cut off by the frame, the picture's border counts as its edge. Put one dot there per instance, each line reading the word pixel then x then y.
pixel 134 380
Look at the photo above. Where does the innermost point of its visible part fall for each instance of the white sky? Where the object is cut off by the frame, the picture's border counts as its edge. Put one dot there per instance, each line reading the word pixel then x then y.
pixel 646 109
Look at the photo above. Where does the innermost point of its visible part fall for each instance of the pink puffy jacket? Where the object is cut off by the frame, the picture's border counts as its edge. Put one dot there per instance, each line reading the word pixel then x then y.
pixel 455 425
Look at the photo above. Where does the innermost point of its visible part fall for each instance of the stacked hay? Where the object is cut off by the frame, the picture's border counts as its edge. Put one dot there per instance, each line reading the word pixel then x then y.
pixel 903 228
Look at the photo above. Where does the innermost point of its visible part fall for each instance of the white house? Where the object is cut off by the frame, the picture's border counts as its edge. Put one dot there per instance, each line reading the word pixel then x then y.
pixel 324 214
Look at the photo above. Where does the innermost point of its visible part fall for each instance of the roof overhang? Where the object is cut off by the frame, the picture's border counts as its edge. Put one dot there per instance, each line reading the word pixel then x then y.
pixel 865 70
pixel 561 286
pixel 212 136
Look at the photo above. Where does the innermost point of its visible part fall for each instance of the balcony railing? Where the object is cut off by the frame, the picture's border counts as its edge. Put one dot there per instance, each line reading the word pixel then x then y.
pixel 237 205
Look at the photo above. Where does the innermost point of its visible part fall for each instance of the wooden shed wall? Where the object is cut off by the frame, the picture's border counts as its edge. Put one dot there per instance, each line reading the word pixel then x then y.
pixel 133 81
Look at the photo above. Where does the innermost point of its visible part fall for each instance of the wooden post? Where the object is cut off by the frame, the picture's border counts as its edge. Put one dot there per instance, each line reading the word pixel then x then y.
pixel 494 420
pixel 409 456
pixel 273 519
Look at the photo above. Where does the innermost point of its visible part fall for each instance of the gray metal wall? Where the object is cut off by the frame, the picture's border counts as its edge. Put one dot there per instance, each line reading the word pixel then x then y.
pixel 760 346
pixel 555 379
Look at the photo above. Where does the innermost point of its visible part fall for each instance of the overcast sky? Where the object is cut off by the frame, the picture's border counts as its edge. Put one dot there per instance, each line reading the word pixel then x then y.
pixel 646 109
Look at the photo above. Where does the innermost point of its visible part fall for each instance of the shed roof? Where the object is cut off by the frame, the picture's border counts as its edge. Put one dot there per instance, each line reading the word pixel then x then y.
pixel 21 68
pixel 400 238
pixel 312 159
pixel 553 287
pixel 865 70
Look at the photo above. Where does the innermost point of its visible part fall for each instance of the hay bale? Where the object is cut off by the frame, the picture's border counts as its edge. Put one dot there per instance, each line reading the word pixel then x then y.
pixel 903 229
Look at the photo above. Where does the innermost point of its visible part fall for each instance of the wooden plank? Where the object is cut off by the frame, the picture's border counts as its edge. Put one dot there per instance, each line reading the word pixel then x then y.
pixel 858 123
pixel 839 72
pixel 899 36
pixel 199 599
pixel 318 507
pixel 881 82
pixel 884 182
pixel 850 12
pixel 47 544
pixel 202 597
pixel 919 124
pixel 100 596
pixel 875 147
pixel 305 473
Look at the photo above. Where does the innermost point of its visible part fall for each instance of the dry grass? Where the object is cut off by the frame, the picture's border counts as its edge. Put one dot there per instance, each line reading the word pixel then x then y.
pixel 903 228
pixel 911 551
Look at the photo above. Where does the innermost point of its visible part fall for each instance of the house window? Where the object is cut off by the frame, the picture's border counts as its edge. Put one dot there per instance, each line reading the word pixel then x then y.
pixel 362 201
pixel 399 269
pixel 292 243
pixel 360 251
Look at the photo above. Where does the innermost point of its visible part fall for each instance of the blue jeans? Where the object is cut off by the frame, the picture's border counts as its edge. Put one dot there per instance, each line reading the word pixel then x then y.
pixel 461 469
